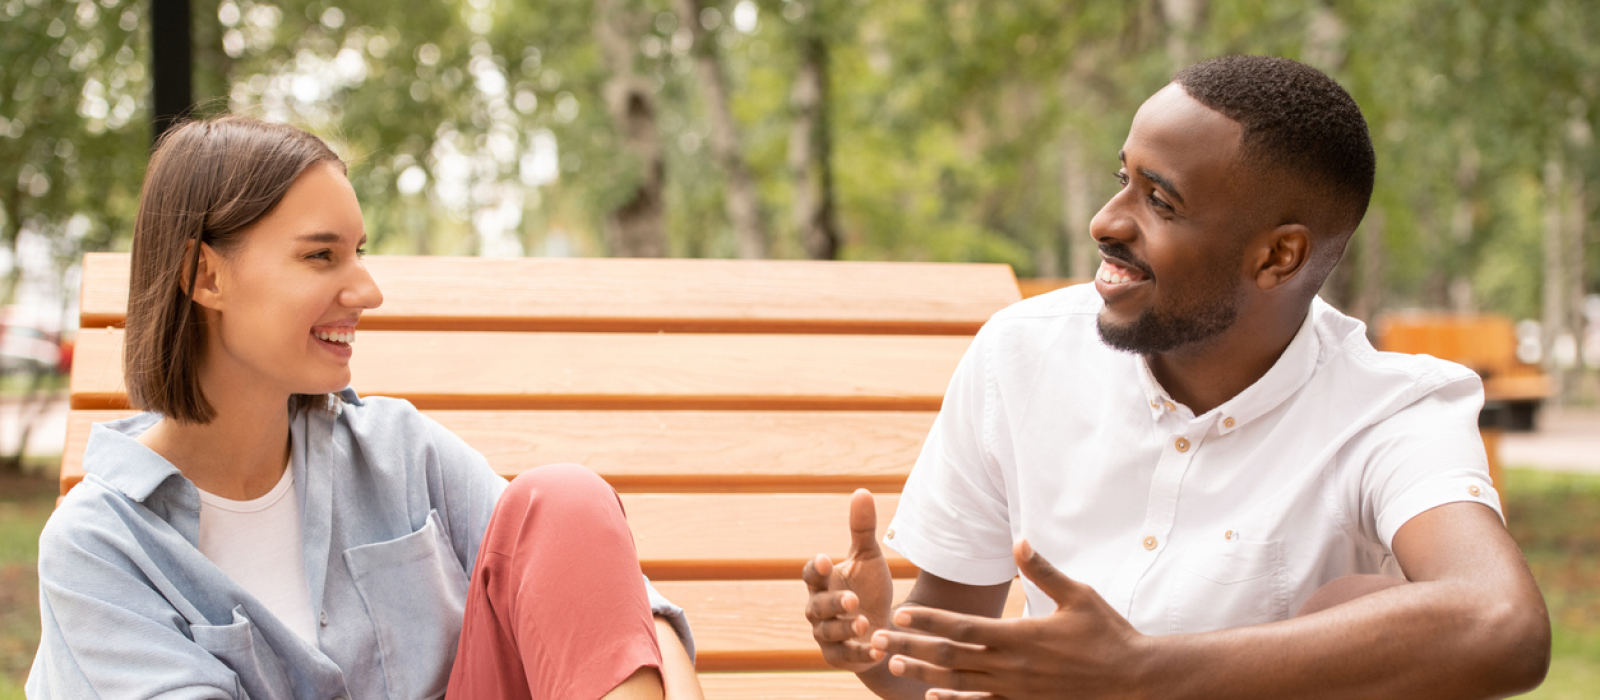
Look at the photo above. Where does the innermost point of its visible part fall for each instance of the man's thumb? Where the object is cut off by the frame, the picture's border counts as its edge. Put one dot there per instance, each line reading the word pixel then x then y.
pixel 863 525
pixel 1043 574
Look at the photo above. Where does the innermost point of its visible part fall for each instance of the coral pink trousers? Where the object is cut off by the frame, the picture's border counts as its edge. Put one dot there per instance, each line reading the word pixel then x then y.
pixel 556 607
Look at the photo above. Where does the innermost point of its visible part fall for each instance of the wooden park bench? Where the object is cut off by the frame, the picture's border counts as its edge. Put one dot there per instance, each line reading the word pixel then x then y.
pixel 733 404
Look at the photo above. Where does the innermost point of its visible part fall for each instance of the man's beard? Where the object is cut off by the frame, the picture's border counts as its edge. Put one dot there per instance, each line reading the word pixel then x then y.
pixel 1158 330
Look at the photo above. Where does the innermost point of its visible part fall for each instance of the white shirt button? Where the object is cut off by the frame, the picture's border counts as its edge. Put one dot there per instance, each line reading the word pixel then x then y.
pixel 1150 542
pixel 1182 444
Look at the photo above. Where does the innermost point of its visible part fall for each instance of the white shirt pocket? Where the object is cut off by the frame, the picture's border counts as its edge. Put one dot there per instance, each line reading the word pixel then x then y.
pixel 416 594
pixel 1229 584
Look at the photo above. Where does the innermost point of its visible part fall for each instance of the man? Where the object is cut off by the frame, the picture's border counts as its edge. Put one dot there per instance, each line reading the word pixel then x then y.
pixel 1204 449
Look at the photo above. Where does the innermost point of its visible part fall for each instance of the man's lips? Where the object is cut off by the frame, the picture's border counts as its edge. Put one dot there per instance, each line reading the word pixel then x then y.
pixel 1118 272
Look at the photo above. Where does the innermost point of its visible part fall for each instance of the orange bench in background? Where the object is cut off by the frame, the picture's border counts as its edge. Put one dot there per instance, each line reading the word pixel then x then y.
pixel 734 404
pixel 1486 344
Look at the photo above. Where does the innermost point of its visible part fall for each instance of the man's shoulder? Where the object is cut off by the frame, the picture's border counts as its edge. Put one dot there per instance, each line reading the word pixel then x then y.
pixel 1346 350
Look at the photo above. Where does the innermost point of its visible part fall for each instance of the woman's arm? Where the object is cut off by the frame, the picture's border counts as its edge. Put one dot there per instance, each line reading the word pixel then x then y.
pixel 677 670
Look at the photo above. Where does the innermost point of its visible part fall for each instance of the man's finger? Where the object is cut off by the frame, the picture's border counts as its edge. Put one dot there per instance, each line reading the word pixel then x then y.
pixel 1064 591
pixel 830 604
pixel 939 676
pixel 942 694
pixel 934 650
pixel 967 629
pixel 838 630
pixel 816 573
pixel 851 652
pixel 863 526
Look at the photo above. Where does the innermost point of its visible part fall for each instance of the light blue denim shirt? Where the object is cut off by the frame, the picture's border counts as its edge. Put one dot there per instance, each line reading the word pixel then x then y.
pixel 392 508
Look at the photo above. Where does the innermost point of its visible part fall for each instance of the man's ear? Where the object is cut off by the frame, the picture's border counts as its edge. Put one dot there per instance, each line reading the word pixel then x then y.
pixel 1287 249
pixel 208 282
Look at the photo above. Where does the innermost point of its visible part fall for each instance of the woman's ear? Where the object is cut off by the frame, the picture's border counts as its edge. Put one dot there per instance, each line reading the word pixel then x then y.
pixel 1288 249
pixel 208 282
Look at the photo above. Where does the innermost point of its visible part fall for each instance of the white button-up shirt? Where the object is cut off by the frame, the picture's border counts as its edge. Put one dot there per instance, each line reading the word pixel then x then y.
pixel 1185 523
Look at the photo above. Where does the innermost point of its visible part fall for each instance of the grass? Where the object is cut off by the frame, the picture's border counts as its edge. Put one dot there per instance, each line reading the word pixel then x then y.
pixel 25 503
pixel 1554 516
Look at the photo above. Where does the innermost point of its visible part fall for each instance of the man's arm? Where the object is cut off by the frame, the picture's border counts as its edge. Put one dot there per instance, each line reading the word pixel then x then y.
pixel 1470 624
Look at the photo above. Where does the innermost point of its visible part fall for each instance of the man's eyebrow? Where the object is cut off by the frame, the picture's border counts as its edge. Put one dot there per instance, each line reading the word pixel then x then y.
pixel 1162 182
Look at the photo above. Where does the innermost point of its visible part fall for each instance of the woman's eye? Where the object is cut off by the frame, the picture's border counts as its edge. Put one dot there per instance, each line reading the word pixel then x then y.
pixel 320 255
pixel 361 252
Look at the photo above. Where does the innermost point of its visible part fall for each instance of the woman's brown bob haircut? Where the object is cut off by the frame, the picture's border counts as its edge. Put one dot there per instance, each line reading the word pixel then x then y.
pixel 208 181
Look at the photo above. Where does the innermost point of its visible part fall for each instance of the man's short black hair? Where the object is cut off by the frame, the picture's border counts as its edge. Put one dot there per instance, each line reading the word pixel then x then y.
pixel 1296 120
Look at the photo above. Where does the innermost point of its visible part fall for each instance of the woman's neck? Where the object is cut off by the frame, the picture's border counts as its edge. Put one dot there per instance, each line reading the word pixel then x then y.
pixel 241 453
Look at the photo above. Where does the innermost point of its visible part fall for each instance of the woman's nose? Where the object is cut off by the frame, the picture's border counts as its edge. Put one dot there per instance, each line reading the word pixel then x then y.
pixel 362 292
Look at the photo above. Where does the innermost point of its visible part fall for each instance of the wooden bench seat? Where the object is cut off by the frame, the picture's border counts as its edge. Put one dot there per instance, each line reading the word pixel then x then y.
pixel 734 404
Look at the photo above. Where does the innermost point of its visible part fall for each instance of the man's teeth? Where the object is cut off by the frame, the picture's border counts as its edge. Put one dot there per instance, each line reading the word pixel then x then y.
pixel 349 337
pixel 1112 274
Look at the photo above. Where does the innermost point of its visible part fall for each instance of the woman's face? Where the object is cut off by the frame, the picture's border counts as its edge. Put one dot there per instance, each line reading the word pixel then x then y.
pixel 284 304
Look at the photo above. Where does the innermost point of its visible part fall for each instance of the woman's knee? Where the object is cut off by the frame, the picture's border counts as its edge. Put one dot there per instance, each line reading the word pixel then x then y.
pixel 563 487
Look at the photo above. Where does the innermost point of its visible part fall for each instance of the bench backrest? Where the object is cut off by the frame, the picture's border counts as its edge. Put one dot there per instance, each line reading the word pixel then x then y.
pixel 734 404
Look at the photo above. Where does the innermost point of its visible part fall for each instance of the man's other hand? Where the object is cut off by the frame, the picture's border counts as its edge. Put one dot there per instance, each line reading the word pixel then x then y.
pixel 1084 646
pixel 850 600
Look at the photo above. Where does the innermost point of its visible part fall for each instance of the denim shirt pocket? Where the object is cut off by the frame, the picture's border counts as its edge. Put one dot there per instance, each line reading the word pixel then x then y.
pixel 1229 584
pixel 416 594
pixel 239 646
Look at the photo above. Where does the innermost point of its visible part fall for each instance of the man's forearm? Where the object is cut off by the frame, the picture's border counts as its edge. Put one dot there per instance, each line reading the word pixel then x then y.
pixel 1422 640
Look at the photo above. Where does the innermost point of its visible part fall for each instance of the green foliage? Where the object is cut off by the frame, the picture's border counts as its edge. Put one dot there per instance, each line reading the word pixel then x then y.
pixel 951 119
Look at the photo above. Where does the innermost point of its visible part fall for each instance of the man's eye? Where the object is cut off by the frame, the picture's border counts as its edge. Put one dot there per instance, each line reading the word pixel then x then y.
pixel 1158 203
pixel 1122 177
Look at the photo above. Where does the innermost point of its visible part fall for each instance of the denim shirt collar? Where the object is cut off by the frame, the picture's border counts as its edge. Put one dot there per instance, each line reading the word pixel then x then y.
pixel 115 456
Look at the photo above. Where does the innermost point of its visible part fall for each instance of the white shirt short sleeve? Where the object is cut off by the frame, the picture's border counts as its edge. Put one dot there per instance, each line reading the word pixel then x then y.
pixel 960 528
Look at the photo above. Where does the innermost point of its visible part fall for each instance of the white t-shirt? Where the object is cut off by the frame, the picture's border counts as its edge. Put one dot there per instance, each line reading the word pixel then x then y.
pixel 1184 523
pixel 257 544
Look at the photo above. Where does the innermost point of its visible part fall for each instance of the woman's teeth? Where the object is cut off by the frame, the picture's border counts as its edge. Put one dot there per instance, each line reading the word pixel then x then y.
pixel 346 338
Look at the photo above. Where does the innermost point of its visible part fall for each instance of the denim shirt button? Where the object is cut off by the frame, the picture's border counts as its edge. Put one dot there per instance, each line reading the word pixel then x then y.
pixel 324 620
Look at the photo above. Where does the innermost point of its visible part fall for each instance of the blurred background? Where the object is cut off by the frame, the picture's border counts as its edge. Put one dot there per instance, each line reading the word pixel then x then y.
pixel 941 130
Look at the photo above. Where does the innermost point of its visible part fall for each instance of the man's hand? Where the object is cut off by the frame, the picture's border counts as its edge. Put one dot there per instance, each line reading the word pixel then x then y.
pixel 1084 647
pixel 850 600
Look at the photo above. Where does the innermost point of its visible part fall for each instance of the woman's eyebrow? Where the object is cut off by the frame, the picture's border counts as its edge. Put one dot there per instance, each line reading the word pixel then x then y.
pixel 320 237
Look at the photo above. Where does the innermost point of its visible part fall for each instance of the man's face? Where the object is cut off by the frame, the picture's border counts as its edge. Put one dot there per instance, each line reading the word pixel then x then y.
pixel 1171 241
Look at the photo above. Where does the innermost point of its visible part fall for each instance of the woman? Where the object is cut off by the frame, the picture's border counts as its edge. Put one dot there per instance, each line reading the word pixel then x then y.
pixel 263 532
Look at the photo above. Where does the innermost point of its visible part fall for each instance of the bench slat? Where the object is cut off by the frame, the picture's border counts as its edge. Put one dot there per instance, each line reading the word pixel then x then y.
pixel 803 685
pixel 669 451
pixel 577 294
pixel 760 625
pixel 726 536
pixel 491 370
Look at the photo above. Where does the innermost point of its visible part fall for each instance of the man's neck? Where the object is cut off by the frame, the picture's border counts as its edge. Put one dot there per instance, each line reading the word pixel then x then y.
pixel 1206 375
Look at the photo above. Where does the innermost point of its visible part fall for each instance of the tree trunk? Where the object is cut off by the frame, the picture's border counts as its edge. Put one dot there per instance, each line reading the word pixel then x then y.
pixel 636 229
pixel 1555 278
pixel 810 143
pixel 740 198
pixel 1369 284
pixel 1078 210
pixel 1183 20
